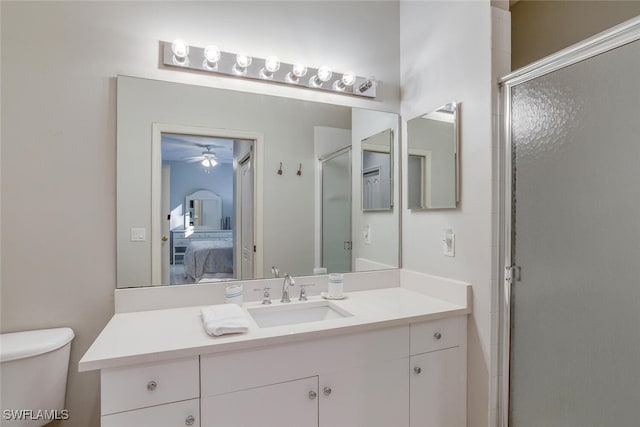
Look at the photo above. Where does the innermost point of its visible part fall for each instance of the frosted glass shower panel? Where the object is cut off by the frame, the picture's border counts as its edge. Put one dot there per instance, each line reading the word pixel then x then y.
pixel 575 338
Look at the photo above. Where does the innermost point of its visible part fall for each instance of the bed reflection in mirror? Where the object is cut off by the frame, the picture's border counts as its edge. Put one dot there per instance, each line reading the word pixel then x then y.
pixel 433 168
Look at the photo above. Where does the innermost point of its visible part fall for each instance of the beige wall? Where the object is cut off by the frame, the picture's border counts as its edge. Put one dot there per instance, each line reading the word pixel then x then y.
pixel 540 28
pixel 58 171
pixel 446 55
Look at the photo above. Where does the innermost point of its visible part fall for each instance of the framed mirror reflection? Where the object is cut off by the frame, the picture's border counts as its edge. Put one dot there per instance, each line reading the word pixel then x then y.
pixel 377 172
pixel 229 184
pixel 433 179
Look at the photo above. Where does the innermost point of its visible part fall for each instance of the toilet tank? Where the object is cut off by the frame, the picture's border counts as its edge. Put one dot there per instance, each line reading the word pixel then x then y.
pixel 33 373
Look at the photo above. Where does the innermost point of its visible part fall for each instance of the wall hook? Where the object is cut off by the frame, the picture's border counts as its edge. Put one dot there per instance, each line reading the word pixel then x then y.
pixel 299 170
pixel 280 170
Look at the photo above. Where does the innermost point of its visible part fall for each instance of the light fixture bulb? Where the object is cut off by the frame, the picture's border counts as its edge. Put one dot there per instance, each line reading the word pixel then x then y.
pixel 271 65
pixel 298 70
pixel 212 55
pixel 180 50
pixel 323 75
pixel 242 62
pixel 347 79
pixel 209 162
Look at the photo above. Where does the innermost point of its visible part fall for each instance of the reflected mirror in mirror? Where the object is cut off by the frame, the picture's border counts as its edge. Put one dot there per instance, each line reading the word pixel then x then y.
pixel 377 172
pixel 228 184
pixel 433 168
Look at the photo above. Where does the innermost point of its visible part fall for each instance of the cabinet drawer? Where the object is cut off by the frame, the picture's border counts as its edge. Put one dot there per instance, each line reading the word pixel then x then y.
pixel 185 413
pixel 123 389
pixel 435 335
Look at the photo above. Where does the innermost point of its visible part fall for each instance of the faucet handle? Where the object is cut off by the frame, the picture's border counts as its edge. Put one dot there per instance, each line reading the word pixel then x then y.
pixel 303 292
pixel 266 297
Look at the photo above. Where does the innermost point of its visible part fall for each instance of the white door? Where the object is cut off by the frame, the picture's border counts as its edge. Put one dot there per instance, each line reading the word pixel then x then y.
pixel 165 211
pixel 437 399
pixel 246 217
pixel 289 404
pixel 366 396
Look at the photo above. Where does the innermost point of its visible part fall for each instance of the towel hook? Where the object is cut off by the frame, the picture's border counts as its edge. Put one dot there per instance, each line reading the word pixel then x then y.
pixel 299 170
pixel 280 170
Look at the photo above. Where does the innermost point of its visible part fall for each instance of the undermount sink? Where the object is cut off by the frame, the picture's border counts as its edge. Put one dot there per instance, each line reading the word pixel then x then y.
pixel 279 315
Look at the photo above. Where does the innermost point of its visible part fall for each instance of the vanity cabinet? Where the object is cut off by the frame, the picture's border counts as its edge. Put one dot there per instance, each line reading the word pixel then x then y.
pixel 403 376
pixel 165 392
pixel 288 404
pixel 438 373
pixel 373 395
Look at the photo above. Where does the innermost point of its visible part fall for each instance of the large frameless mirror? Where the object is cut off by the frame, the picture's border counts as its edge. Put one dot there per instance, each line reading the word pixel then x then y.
pixel 217 185
pixel 433 161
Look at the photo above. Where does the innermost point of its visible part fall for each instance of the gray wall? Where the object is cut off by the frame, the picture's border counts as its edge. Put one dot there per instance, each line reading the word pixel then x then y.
pixel 58 172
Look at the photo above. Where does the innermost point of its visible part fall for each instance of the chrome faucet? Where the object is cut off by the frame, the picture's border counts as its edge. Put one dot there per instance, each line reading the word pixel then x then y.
pixel 275 271
pixel 288 281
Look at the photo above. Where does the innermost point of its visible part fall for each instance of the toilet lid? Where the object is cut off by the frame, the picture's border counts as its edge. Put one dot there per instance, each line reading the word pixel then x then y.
pixel 18 345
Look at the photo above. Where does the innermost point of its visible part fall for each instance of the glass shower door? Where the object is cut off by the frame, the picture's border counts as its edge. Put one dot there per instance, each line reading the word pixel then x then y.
pixel 336 212
pixel 575 312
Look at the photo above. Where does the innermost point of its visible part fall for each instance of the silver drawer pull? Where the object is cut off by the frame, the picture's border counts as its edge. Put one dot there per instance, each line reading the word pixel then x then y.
pixel 312 395
pixel 417 370
pixel 327 391
pixel 437 335
pixel 152 385
pixel 190 420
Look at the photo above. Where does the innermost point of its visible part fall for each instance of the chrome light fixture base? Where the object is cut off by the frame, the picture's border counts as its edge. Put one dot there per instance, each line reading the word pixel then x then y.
pixel 195 60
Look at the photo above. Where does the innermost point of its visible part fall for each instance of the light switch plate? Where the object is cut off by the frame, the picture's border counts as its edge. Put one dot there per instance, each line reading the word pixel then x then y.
pixel 138 234
pixel 366 234
pixel 449 243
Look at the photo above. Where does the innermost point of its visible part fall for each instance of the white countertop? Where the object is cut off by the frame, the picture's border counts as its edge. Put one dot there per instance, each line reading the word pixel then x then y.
pixel 156 335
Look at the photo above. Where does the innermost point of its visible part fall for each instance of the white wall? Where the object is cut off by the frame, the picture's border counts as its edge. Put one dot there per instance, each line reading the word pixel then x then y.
pixel 59 62
pixel 445 50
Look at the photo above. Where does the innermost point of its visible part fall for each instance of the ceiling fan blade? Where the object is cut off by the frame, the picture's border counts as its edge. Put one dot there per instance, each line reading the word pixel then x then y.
pixel 193 159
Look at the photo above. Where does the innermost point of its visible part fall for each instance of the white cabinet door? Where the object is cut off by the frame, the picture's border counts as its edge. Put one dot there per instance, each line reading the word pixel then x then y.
pixel 374 395
pixel 289 404
pixel 186 413
pixel 437 397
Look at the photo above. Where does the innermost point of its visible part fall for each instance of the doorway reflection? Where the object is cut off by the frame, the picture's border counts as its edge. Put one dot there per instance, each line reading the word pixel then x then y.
pixel 207 208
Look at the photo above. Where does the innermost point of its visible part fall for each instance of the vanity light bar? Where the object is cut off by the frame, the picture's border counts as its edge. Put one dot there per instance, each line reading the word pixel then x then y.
pixel 268 69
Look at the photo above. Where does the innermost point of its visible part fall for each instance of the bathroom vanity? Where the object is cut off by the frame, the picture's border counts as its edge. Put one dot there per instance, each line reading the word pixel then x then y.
pixel 398 358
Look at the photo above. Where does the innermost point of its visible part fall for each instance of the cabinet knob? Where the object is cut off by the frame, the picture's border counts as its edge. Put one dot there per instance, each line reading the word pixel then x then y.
pixel 437 335
pixel 152 385
pixel 417 370
pixel 312 395
pixel 327 391
pixel 190 420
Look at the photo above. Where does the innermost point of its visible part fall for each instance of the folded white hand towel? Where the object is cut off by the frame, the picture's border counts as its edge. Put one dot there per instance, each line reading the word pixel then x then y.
pixel 224 319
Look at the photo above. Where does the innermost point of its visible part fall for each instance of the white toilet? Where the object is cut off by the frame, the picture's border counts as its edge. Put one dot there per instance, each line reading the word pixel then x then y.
pixel 33 373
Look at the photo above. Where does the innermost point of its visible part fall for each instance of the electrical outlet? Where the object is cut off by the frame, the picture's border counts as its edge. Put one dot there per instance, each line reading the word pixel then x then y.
pixel 449 243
